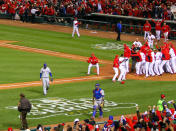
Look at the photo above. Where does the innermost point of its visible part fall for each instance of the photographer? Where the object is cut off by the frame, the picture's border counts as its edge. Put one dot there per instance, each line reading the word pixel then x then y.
pixel 24 106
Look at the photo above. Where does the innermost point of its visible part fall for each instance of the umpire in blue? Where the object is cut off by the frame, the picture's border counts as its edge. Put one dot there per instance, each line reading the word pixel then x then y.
pixel 118 29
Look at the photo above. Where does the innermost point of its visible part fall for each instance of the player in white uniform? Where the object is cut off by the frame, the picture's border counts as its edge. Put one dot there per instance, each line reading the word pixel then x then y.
pixel 122 68
pixel 150 39
pixel 45 72
pixel 172 59
pixel 142 69
pixel 75 27
pixel 137 43
pixel 158 57
pixel 151 64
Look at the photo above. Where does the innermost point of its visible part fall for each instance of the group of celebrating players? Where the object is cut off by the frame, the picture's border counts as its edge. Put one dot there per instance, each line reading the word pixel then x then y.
pixel 145 59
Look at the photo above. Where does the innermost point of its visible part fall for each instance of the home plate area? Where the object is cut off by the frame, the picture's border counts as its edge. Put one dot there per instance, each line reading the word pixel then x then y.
pixel 52 106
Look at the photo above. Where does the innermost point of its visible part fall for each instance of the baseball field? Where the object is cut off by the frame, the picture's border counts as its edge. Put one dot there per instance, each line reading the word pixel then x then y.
pixel 25 47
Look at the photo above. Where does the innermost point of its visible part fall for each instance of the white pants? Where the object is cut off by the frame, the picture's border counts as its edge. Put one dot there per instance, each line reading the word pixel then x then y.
pixel 138 66
pixel 91 65
pixel 147 69
pixel 116 73
pixel 75 29
pixel 173 65
pixel 158 32
pixel 45 82
pixel 156 66
pixel 127 64
pixel 168 68
pixel 165 36
pixel 122 75
pixel 150 44
pixel 146 33
pixel 142 68
pixel 151 66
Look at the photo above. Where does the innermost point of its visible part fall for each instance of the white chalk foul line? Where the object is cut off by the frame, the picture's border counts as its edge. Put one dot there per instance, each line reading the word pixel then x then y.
pixel 57 81
pixel 48 52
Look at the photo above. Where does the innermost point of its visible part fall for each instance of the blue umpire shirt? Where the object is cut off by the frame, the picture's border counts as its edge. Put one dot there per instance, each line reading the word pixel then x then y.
pixel 119 27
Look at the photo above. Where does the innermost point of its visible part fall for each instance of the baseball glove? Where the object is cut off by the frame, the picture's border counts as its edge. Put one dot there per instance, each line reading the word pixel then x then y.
pixel 51 80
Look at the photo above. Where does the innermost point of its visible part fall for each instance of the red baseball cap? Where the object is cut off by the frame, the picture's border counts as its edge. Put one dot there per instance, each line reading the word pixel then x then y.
pixel 163 96
pixel 10 129
pixel 122 82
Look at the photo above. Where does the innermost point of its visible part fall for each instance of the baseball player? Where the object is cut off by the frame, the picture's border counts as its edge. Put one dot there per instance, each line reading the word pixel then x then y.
pixel 137 43
pixel 158 57
pixel 142 68
pixel 45 72
pixel 139 61
pixel 145 47
pixel 75 27
pixel 151 65
pixel 158 28
pixel 93 62
pixel 150 39
pixel 146 29
pixel 165 30
pixel 165 59
pixel 172 53
pixel 98 100
pixel 148 61
pixel 122 67
pixel 115 68
pixel 127 55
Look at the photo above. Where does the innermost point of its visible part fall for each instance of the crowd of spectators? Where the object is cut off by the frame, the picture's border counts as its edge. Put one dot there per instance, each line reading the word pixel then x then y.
pixel 156 118
pixel 80 8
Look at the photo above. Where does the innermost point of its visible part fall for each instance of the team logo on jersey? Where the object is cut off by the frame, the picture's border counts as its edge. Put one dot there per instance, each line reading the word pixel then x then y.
pixel 48 107
pixel 109 46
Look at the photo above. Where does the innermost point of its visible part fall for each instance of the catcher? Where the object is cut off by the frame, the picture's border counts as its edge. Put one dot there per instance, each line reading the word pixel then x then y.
pixel 98 100
pixel 45 72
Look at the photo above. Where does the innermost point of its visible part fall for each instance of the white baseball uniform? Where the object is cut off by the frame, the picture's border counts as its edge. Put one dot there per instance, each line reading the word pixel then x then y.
pixel 142 68
pixel 167 64
pixel 151 64
pixel 45 78
pixel 75 28
pixel 173 59
pixel 123 69
pixel 158 57
pixel 137 43
pixel 150 39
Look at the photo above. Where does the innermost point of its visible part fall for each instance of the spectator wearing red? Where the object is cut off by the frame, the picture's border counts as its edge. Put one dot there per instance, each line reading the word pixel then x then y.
pixel 146 29
pixel 21 12
pixel 158 28
pixel 165 30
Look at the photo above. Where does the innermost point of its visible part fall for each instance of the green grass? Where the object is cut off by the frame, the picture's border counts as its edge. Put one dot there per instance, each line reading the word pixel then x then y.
pixel 143 93
pixel 19 66
pixel 56 41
